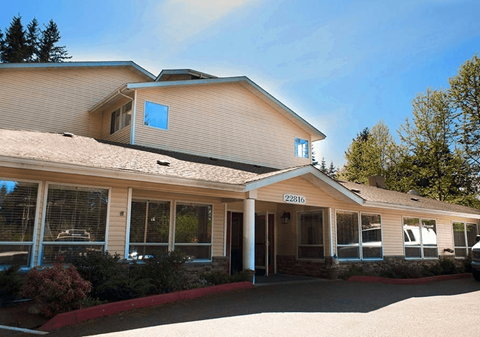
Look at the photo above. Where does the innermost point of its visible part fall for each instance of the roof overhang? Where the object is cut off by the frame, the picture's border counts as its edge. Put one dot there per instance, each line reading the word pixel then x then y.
pixel 313 175
pixel 100 64
pixel 249 85
pixel 406 208
pixel 168 72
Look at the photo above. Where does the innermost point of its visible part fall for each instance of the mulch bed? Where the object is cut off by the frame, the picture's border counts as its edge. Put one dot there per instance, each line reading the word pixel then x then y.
pixel 17 315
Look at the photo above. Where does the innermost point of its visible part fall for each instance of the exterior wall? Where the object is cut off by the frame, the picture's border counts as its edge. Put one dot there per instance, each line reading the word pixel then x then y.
pixel 121 136
pixel 223 121
pixel 118 204
pixel 57 99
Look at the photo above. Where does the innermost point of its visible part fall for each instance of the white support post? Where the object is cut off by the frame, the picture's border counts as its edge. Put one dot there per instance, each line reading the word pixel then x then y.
pixel 249 235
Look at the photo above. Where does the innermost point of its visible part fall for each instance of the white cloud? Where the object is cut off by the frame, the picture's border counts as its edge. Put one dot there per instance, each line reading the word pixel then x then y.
pixel 182 19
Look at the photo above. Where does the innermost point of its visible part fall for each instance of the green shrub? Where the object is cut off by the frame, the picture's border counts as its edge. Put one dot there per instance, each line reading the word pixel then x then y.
pixel 56 289
pixel 99 269
pixel 10 284
pixel 164 272
pixel 402 271
pixel 467 264
pixel 352 271
pixel 448 266
pixel 124 288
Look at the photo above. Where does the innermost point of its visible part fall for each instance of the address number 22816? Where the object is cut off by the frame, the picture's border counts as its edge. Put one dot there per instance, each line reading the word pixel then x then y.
pixel 294 199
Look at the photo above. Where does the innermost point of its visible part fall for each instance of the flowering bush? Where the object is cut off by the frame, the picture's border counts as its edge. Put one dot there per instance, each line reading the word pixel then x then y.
pixel 57 289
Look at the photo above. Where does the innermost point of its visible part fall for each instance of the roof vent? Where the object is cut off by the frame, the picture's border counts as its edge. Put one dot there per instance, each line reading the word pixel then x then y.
pixel 414 199
pixel 355 190
pixel 163 163
pixel 68 134
pixel 413 192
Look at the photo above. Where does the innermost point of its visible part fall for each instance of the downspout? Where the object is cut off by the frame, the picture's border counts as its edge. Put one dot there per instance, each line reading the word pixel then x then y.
pixel 134 117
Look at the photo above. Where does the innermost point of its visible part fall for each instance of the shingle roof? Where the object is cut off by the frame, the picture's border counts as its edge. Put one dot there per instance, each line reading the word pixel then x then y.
pixel 88 152
pixel 393 198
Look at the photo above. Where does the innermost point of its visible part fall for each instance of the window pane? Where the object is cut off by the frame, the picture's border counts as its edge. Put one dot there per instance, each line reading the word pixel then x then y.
pixel 372 252
pixel 459 234
pixel 413 252
pixel 193 224
pixel 66 253
pixel 195 252
pixel 471 234
pixel 311 228
pixel 430 252
pixel 371 229
pixel 301 148
pixel 137 222
pixel 15 255
pixel 18 204
pixel 429 233
pixel 156 228
pixel 460 252
pixel 156 115
pixel 141 251
pixel 76 214
pixel 347 228
pixel 348 252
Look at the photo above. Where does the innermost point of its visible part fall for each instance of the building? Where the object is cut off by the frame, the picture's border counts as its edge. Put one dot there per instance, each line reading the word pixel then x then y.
pixel 106 156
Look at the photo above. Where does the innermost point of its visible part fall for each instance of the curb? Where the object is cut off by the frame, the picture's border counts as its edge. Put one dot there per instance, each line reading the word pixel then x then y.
pixel 411 281
pixel 77 316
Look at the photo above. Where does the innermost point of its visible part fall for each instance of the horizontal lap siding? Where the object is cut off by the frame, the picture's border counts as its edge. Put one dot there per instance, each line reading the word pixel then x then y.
pixel 223 121
pixel 117 222
pixel 57 100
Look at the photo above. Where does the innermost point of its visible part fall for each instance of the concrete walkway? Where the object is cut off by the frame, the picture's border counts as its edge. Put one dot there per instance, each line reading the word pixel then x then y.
pixel 322 308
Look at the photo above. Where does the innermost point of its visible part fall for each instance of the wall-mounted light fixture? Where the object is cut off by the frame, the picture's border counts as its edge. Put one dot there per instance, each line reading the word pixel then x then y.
pixel 285 217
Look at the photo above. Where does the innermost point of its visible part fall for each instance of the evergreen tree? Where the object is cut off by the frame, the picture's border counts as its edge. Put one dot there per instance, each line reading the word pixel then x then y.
pixel 323 166
pixel 32 40
pixel 465 96
pixel 332 171
pixel 14 48
pixel 314 157
pixel 48 51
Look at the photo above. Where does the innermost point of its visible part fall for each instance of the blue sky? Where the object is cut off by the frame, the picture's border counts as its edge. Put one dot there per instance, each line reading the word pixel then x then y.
pixel 342 65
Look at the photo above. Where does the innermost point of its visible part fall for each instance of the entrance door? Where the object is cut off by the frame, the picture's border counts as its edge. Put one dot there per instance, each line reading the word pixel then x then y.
pixel 236 246
pixel 264 244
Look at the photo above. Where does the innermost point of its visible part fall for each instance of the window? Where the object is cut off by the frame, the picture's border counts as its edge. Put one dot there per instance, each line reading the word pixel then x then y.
pixel 301 148
pixel 310 235
pixel 121 118
pixel 193 230
pixel 18 207
pixel 156 115
pixel 353 243
pixel 420 238
pixel 149 228
pixel 464 237
pixel 75 222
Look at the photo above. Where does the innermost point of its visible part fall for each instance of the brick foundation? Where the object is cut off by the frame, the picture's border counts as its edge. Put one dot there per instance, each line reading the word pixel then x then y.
pixel 193 270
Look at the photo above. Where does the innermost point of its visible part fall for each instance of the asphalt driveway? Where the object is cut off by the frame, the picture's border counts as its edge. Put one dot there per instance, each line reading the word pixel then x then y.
pixel 323 308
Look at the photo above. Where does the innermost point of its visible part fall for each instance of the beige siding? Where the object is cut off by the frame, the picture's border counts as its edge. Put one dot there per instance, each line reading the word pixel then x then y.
pixel 223 120
pixel 57 100
pixel 117 222
pixel 121 136
pixel 392 220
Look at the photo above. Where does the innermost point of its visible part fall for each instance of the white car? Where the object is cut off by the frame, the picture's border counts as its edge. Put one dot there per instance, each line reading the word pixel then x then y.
pixel 476 260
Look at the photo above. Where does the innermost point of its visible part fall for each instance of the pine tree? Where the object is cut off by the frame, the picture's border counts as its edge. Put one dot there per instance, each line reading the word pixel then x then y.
pixel 332 171
pixel 48 51
pixel 323 166
pixel 32 40
pixel 14 49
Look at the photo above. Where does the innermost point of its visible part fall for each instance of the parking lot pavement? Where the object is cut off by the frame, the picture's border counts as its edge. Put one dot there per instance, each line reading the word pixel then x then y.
pixel 334 308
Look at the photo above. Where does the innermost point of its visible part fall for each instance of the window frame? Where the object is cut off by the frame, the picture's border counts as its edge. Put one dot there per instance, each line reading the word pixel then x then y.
pixel 466 247
pixel 121 118
pixel 41 243
pixel 296 144
pixel 173 243
pixel 422 246
pixel 151 244
pixel 299 214
pixel 360 244
pixel 33 243
pixel 145 113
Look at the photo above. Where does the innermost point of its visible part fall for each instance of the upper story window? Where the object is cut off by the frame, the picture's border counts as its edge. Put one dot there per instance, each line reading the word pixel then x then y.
pixel 420 238
pixel 156 115
pixel 464 237
pixel 301 148
pixel 121 118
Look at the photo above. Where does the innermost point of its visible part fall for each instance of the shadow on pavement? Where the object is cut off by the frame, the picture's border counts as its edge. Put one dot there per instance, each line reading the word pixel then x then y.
pixel 308 297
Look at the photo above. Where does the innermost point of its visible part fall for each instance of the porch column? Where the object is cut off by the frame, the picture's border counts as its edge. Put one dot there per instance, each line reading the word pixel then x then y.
pixel 249 232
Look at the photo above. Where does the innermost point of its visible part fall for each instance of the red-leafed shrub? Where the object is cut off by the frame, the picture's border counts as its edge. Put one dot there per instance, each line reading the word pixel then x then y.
pixel 56 289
